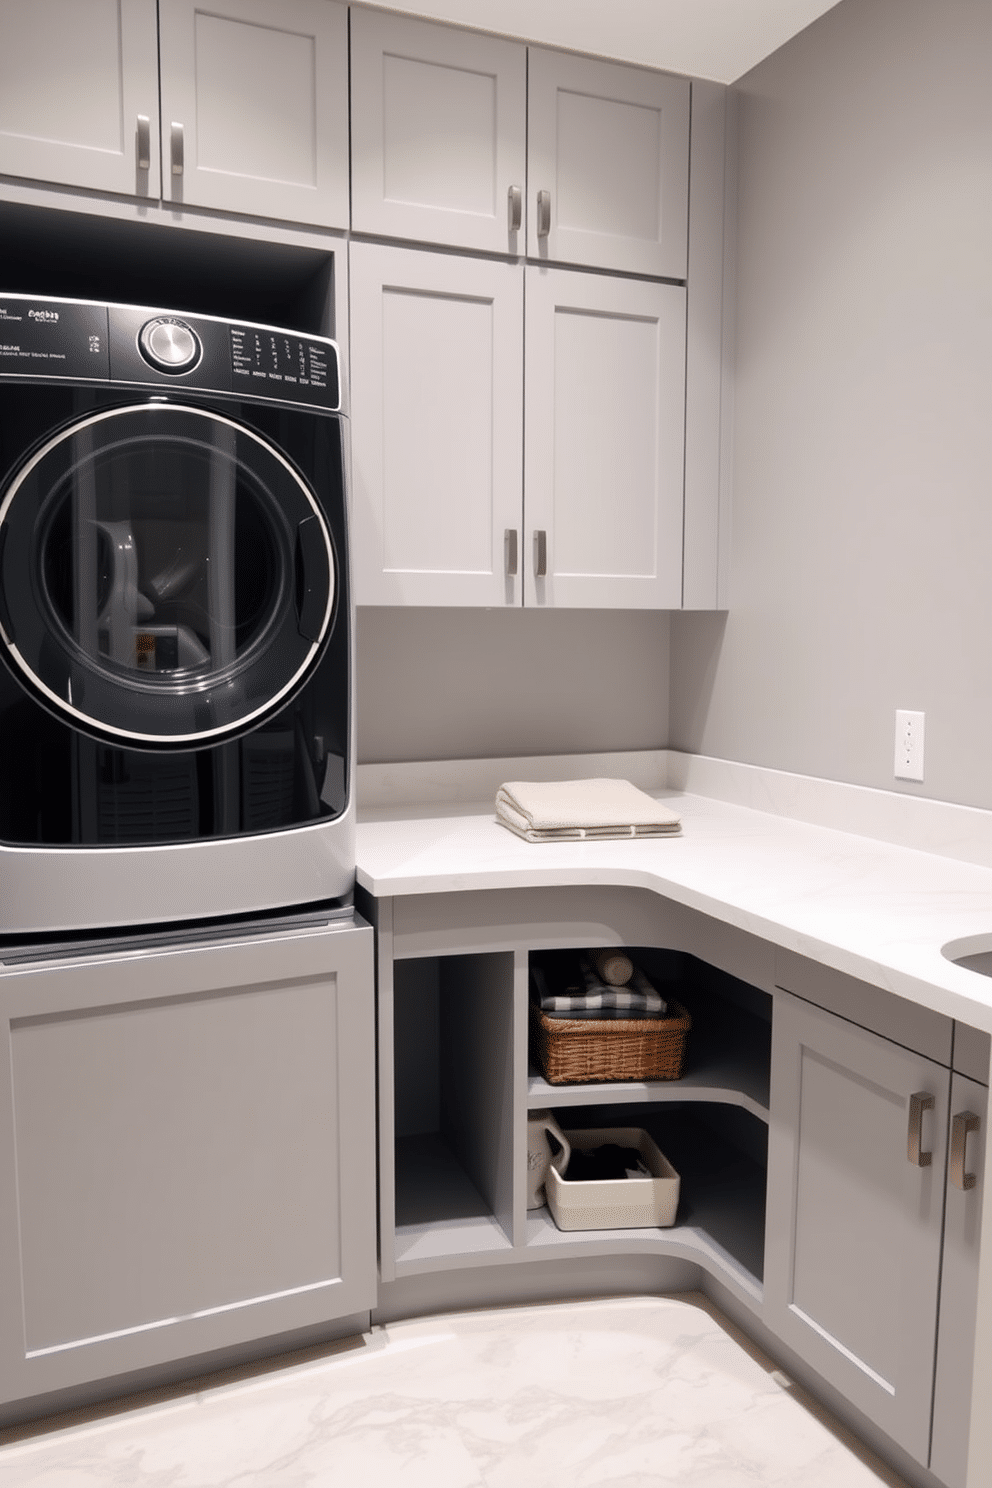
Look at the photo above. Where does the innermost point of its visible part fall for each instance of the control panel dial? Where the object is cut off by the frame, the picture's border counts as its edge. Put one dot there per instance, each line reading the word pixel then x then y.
pixel 169 345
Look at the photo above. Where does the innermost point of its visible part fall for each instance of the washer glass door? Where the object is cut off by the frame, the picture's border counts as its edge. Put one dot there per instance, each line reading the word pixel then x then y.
pixel 168 576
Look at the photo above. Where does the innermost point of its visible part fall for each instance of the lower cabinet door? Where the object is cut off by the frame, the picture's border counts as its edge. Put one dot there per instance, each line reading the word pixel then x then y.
pixel 186 1152
pixel 959 1282
pixel 852 1259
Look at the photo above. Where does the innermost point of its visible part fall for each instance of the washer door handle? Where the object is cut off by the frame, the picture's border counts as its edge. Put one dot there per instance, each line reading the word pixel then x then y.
pixel 313 576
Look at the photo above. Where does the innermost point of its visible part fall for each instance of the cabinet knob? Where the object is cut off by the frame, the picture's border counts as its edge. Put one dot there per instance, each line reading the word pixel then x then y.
pixel 963 1123
pixel 177 146
pixel 543 213
pixel 918 1103
pixel 514 208
pixel 510 550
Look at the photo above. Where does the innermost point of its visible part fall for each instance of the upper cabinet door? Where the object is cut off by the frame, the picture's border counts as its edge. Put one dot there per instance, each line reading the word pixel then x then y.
pixel 436 413
pixel 79 93
pixel 604 440
pixel 255 107
pixel 608 165
pixel 438 133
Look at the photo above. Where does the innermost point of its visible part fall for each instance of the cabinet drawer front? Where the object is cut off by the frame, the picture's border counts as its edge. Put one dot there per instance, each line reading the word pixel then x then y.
pixel 971 1052
pixel 892 1017
pixel 611 145
pixel 437 132
pixel 852 1258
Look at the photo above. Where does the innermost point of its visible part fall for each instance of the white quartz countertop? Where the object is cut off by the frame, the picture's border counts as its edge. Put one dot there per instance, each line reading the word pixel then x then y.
pixel 872 909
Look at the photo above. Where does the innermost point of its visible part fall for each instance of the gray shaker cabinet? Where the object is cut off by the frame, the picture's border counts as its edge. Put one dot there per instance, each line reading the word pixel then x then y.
pixel 186 1151
pixel 625 407
pixel 255 107
pixel 584 391
pixel 604 441
pixel 480 142
pixel 607 164
pixel 438 133
pixel 855 1209
pixel 79 93
pixel 240 106
pixel 436 426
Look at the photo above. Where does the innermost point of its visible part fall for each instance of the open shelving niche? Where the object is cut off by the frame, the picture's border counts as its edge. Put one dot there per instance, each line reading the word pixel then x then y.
pixel 86 248
pixel 463 1087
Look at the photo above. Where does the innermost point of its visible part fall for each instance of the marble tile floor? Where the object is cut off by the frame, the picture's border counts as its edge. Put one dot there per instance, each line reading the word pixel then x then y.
pixel 626 1392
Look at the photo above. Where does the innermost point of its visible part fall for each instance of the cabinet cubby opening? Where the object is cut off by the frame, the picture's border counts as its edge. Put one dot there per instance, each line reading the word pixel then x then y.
pixel 77 255
pixel 452 1060
pixel 721 1155
pixel 728 1054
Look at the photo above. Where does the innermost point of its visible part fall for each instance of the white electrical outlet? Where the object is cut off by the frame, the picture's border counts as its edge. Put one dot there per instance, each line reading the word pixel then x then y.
pixel 909 745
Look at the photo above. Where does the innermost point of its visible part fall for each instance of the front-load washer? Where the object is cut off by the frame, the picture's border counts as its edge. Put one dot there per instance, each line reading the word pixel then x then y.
pixel 176 735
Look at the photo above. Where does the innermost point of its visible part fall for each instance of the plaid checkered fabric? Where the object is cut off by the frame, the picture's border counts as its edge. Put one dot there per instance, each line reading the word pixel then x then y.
pixel 596 999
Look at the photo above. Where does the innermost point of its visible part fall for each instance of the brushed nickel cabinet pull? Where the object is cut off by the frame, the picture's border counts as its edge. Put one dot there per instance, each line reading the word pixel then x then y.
pixel 510 550
pixel 918 1103
pixel 543 213
pixel 963 1123
pixel 177 145
pixel 540 553
pixel 143 142
pixel 514 208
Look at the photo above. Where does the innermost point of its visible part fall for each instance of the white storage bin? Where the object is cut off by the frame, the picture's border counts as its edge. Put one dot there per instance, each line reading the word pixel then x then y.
pixel 619 1204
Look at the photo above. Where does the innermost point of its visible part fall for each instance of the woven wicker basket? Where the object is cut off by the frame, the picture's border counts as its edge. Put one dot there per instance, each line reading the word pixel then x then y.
pixel 573 1051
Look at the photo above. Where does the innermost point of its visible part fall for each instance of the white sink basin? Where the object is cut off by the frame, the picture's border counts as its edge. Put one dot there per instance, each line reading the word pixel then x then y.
pixel 973 953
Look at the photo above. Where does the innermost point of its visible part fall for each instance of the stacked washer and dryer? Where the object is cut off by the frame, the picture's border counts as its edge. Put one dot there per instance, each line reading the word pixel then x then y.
pixel 175 625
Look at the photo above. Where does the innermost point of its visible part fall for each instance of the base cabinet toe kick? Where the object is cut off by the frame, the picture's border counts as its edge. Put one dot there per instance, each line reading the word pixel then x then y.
pixel 829 1136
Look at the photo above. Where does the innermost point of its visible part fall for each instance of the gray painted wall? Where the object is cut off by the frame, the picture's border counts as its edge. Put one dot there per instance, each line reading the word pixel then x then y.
pixel 472 684
pixel 862 522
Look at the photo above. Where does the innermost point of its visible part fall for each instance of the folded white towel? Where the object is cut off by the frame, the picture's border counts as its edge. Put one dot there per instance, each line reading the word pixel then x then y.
pixel 570 810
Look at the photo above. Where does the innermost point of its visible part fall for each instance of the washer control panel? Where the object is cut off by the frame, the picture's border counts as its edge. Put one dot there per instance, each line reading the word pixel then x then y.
pixel 261 359
pixel 169 344
pixel 85 341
